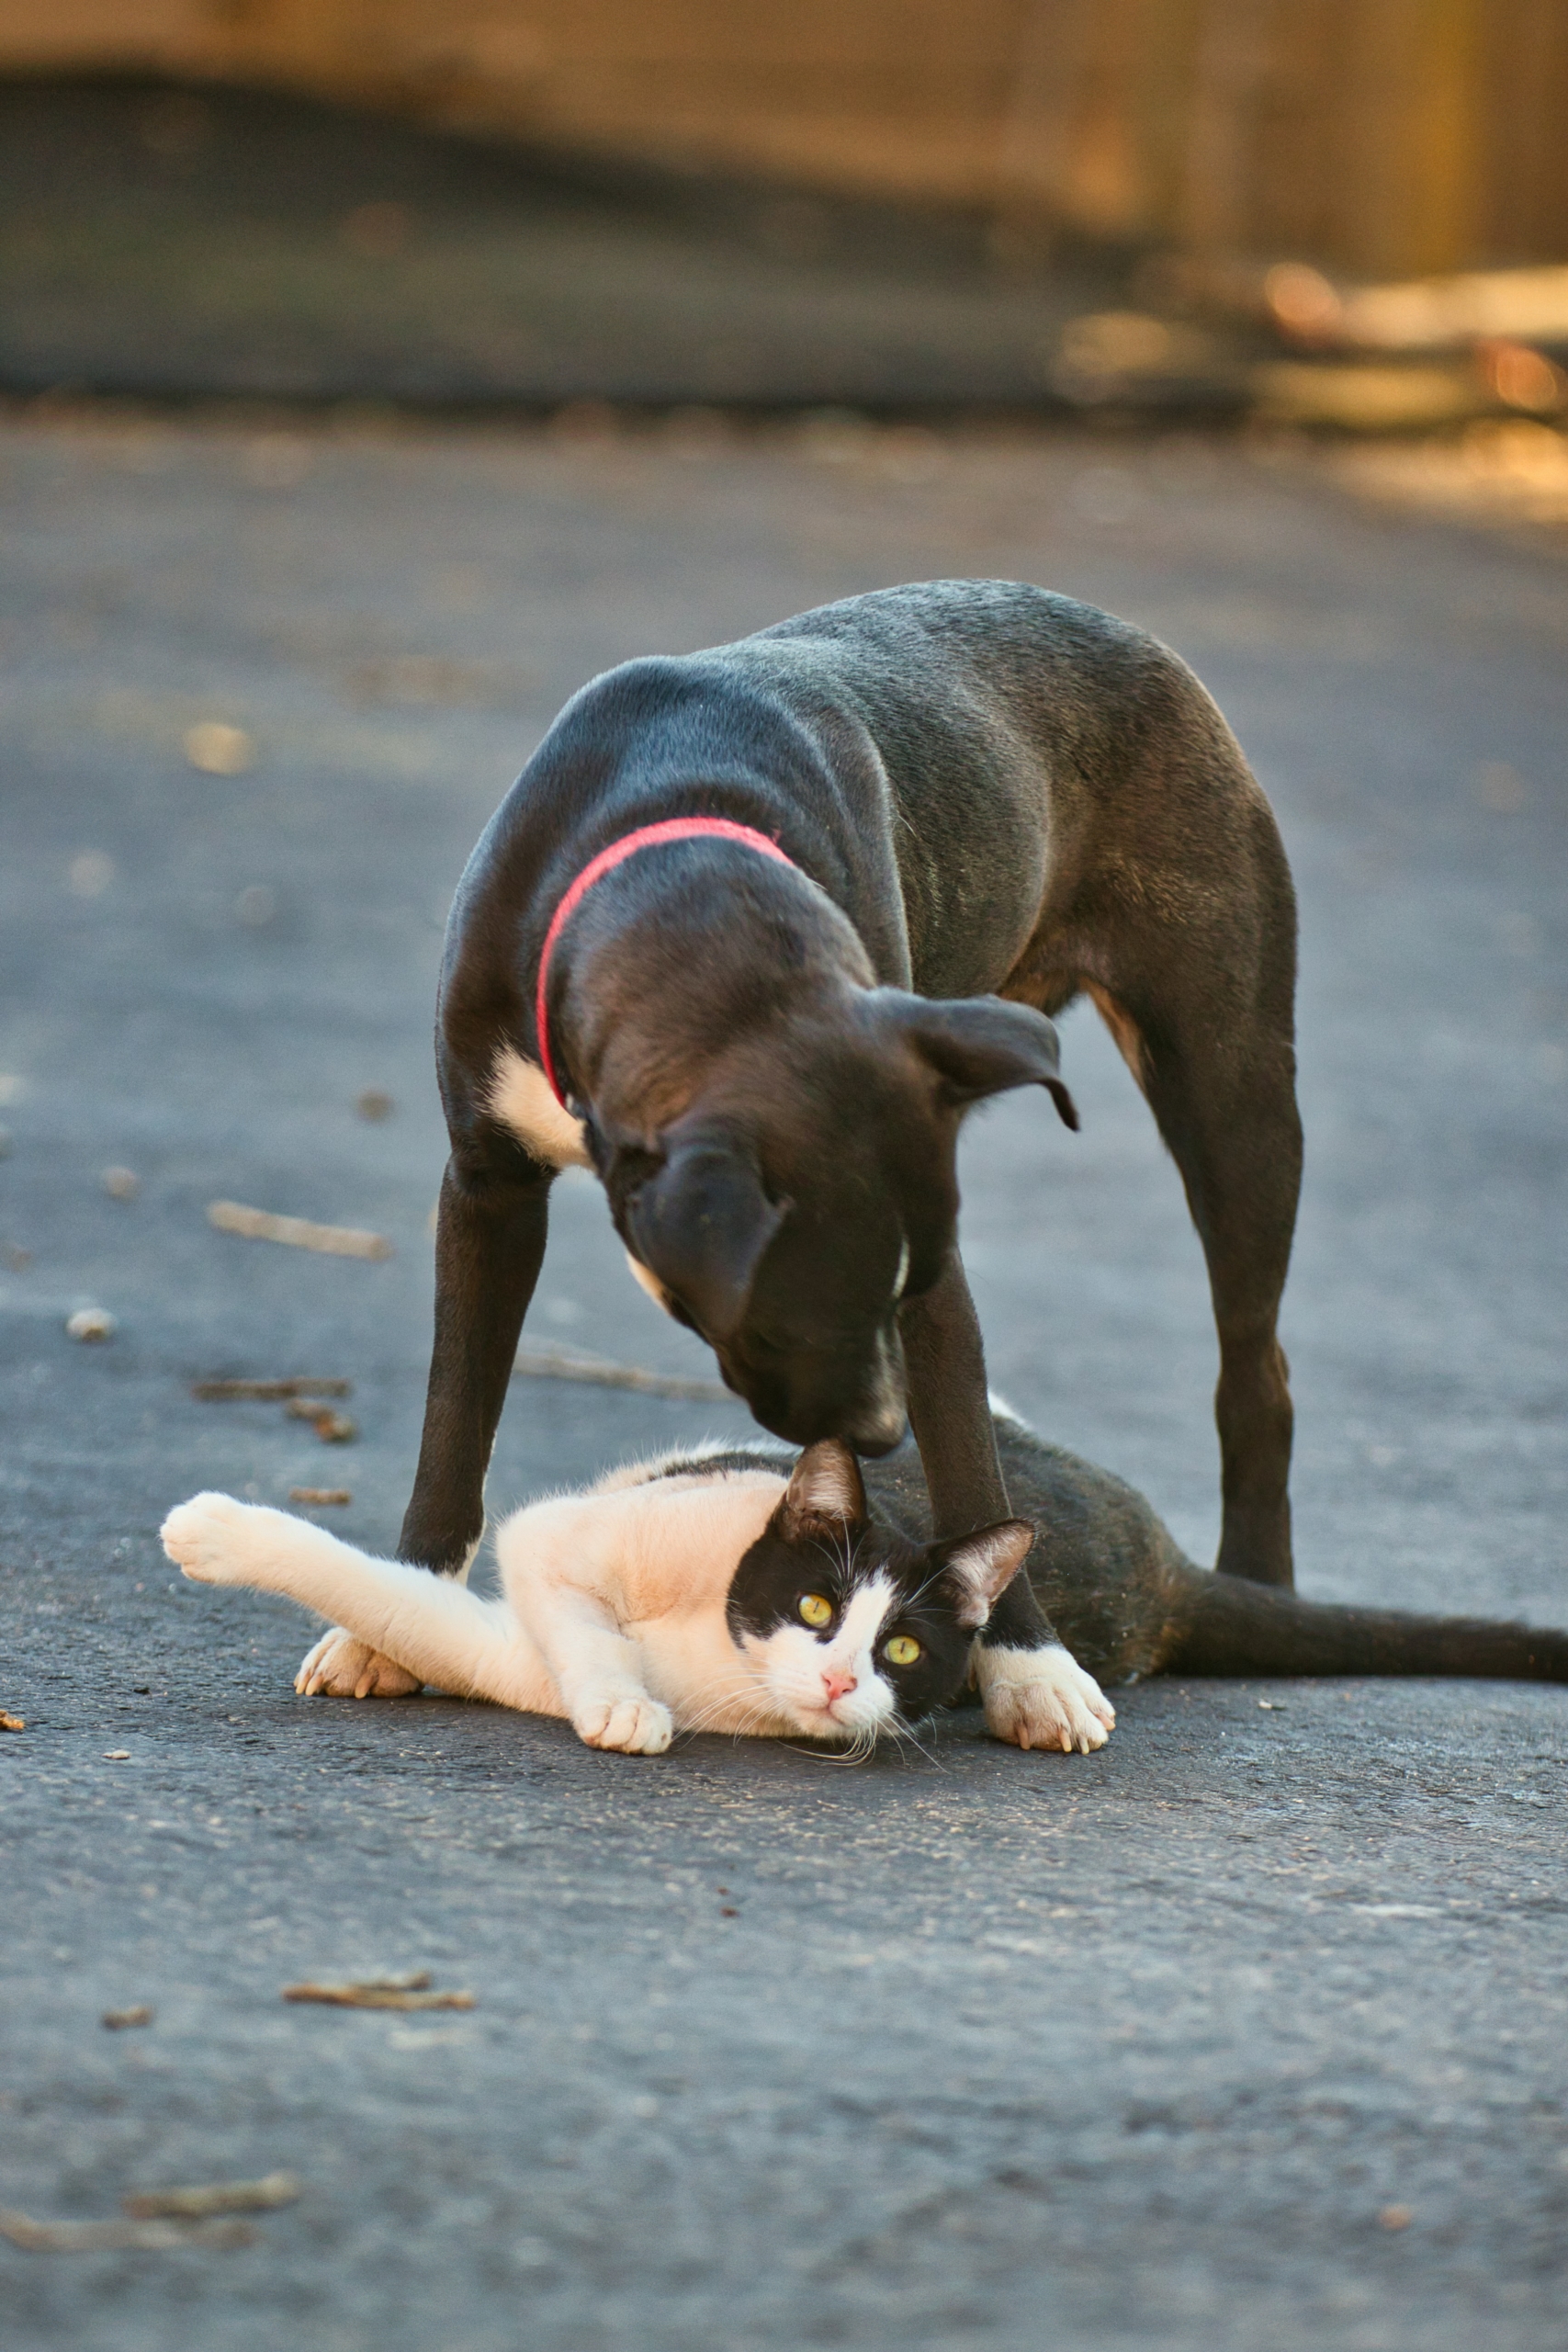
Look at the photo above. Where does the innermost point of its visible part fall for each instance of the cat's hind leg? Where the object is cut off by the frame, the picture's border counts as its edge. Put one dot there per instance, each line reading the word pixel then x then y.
pixel 427 1627
pixel 213 1538
pixel 338 1666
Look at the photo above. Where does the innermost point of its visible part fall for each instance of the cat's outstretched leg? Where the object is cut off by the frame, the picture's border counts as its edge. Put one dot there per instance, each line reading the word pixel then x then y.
pixel 428 1628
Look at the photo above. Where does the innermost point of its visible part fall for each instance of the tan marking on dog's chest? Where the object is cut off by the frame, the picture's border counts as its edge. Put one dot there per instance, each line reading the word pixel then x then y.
pixel 519 1098
pixel 646 1279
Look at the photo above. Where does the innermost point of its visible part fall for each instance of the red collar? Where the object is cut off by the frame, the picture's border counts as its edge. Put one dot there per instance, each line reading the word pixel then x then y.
pixel 672 829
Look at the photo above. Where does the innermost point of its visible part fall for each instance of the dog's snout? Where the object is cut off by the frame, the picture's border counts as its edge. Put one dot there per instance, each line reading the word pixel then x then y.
pixel 878 1427
pixel 860 1401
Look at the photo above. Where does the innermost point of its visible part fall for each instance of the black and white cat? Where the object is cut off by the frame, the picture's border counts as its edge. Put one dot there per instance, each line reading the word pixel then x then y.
pixel 684 1595
pixel 707 1591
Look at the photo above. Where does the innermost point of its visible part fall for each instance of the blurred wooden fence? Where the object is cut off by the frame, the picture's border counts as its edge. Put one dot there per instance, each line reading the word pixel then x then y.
pixel 1377 136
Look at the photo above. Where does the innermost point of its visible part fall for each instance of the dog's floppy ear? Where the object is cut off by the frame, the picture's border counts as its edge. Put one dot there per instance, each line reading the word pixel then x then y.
pixel 825 1492
pixel 700 1224
pixel 981 1044
pixel 978 1568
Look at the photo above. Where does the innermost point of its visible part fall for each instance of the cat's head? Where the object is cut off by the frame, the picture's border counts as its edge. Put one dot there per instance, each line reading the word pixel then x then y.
pixel 853 1629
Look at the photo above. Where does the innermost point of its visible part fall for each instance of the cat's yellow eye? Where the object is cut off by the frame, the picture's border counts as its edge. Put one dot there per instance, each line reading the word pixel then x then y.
pixel 815 1610
pixel 902 1650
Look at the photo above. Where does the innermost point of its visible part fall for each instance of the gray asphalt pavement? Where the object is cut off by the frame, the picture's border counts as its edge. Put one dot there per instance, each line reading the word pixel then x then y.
pixel 1247 2033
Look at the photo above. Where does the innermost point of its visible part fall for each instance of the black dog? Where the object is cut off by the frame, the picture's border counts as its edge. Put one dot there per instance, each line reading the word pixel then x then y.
pixel 945 811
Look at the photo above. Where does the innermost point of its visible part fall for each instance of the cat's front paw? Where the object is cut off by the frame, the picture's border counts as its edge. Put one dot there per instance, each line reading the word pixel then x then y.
pixel 340 1668
pixel 1044 1698
pixel 209 1538
pixel 634 1727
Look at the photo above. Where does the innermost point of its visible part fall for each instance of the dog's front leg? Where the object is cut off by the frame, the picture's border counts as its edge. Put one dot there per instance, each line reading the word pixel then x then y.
pixel 490 1243
pixel 1036 1694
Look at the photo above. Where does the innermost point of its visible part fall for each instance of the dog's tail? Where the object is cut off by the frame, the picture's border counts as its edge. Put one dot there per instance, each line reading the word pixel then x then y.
pixel 1224 1625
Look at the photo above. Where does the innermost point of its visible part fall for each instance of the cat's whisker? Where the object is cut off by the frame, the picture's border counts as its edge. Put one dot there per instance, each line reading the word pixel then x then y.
pixel 906 1737
pixel 720 1696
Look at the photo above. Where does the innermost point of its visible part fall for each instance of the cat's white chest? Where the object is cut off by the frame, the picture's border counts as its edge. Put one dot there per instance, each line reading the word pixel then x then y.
pixel 634 1580
pixel 694 1666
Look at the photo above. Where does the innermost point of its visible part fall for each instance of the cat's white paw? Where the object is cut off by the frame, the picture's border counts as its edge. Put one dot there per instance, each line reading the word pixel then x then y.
pixel 340 1668
pixel 1044 1698
pixel 209 1538
pixel 638 1726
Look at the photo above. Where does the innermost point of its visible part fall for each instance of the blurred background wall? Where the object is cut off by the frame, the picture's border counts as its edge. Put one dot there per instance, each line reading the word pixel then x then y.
pixel 1374 137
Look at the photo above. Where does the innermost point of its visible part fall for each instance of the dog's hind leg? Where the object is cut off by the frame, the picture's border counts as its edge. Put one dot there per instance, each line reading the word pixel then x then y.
pixel 1206 1025
pixel 1242 1183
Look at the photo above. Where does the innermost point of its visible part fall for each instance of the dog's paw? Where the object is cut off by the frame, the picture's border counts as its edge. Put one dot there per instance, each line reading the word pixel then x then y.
pixel 341 1667
pixel 210 1538
pixel 1044 1698
pixel 633 1726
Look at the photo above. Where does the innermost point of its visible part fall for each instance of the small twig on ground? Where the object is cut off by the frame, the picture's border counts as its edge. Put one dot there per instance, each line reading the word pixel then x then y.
pixel 320 1496
pixel 215 2197
pixel 332 1429
pixel 299 1232
pixel 118 2019
pixel 268 1392
pixel 551 1363
pixel 106 2237
pixel 381 1993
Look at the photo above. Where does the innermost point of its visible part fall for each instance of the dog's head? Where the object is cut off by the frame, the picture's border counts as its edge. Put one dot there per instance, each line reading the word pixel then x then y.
pixel 811 1188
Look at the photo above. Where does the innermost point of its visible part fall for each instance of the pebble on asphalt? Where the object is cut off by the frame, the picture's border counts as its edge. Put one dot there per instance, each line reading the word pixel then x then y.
pixel 121 1184
pixel 90 1323
pixel 374 1105
pixel 117 2020
pixel 217 749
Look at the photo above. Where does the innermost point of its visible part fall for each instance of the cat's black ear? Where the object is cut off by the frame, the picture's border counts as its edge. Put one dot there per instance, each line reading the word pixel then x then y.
pixel 978 1568
pixel 977 1046
pixel 825 1491
pixel 700 1224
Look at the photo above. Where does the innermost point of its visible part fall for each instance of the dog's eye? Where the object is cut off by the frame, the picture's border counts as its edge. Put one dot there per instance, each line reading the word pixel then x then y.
pixel 902 1650
pixel 815 1610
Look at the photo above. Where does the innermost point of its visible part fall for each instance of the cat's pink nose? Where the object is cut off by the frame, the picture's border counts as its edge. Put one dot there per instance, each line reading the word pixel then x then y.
pixel 836 1683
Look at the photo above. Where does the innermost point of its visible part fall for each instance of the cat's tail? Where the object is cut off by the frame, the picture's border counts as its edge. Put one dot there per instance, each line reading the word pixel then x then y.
pixel 1224 1625
pixel 430 1625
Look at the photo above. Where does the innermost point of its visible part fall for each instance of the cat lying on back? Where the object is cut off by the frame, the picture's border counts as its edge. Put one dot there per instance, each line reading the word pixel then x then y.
pixel 710 1593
